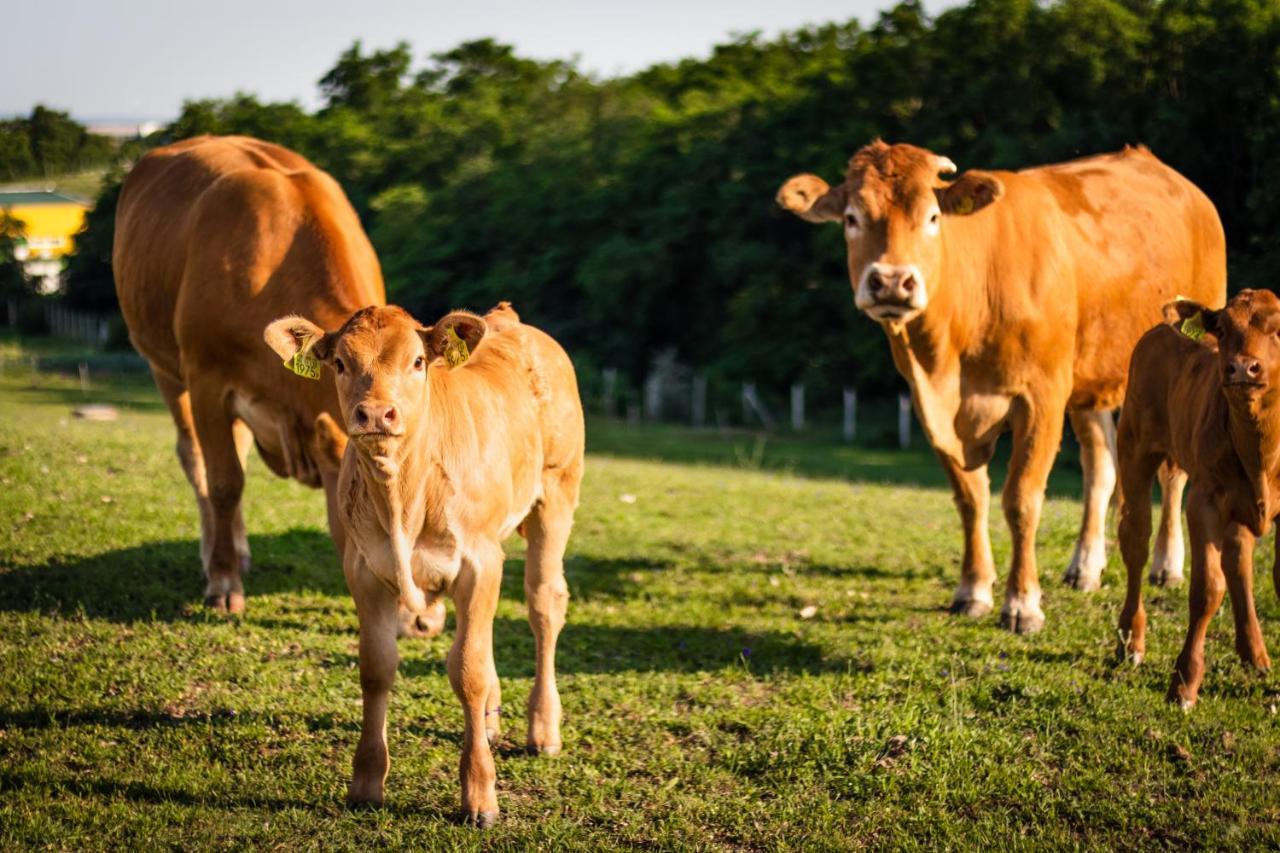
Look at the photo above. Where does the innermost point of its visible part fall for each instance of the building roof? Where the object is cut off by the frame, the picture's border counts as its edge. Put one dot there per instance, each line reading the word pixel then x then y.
pixel 13 198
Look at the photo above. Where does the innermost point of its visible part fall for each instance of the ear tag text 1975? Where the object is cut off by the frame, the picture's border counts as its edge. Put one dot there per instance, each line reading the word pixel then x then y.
pixel 303 362
pixel 455 348
pixel 1193 326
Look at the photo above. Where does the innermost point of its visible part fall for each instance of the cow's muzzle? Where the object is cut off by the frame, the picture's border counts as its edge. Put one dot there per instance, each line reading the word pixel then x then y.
pixel 376 420
pixel 891 291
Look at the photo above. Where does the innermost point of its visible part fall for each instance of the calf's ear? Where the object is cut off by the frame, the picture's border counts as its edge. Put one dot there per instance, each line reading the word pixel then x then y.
pixel 969 193
pixel 441 340
pixel 289 334
pixel 812 199
pixel 1192 318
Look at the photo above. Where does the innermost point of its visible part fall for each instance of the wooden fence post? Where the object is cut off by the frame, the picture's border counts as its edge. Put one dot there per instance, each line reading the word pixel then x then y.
pixel 904 421
pixel 797 407
pixel 850 430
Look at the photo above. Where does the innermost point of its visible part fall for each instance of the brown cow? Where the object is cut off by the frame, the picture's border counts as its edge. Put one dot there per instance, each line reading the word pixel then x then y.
pixel 444 464
pixel 215 237
pixel 1009 298
pixel 1215 413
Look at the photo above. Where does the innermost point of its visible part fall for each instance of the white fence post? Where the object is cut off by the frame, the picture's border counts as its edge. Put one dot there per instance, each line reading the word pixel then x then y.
pixel 904 421
pixel 751 404
pixel 610 378
pixel 850 430
pixel 797 407
pixel 653 397
pixel 699 405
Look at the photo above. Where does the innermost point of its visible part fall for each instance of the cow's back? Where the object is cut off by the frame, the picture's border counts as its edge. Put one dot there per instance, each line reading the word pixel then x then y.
pixel 1138 235
pixel 217 236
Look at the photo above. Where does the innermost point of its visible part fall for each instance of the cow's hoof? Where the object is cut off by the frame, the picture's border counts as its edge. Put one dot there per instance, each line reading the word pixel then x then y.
pixel 548 749
pixel 1023 619
pixel 230 602
pixel 1085 570
pixel 481 820
pixel 1164 578
pixel 1084 581
pixel 969 602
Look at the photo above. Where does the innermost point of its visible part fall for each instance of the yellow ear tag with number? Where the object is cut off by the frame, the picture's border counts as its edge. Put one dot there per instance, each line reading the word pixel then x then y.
pixel 455 348
pixel 1193 326
pixel 303 362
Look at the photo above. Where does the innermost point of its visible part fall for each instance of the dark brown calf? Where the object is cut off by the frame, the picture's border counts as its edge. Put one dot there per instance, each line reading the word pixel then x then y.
pixel 1214 412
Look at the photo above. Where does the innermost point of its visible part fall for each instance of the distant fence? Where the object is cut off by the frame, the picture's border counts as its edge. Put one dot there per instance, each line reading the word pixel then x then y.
pixel 673 394
pixel 92 329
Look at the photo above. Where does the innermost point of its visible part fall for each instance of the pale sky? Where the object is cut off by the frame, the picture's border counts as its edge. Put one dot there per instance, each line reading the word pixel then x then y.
pixel 139 59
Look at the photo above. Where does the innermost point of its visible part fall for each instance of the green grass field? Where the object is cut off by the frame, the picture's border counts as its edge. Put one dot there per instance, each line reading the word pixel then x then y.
pixel 701 711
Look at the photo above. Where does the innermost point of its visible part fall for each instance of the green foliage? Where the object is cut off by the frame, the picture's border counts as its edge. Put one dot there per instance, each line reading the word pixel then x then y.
pixel 633 215
pixel 49 143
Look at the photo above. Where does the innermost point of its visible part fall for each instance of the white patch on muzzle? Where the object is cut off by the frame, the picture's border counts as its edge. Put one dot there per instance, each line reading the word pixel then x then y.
pixel 891 302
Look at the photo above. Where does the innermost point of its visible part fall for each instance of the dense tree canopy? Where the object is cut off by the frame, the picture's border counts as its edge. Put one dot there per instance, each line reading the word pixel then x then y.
pixel 634 216
pixel 48 143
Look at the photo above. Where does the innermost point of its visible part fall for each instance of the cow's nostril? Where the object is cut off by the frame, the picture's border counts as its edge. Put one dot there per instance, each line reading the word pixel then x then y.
pixel 362 417
pixel 390 415
pixel 1254 368
pixel 876 282
pixel 909 284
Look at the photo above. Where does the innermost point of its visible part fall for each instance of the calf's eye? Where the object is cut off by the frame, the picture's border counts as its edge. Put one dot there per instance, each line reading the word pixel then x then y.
pixel 339 366
pixel 418 362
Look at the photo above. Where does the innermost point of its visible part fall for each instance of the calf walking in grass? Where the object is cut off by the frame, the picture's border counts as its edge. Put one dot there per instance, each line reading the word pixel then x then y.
pixel 1213 412
pixel 462 433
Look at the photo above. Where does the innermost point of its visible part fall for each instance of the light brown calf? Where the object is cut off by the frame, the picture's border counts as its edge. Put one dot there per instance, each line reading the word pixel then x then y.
pixel 444 464
pixel 1214 412
pixel 1009 298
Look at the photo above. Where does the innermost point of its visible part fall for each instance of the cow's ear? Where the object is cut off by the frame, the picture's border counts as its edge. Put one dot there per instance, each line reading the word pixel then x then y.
pixel 454 337
pixel 289 334
pixel 813 199
pixel 1192 318
pixel 969 193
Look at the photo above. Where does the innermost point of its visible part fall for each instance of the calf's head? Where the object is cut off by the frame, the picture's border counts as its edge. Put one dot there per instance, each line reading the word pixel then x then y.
pixel 893 207
pixel 379 359
pixel 1248 335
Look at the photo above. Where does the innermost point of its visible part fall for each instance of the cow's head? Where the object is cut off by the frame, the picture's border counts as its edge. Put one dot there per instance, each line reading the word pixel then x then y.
pixel 894 208
pixel 1248 335
pixel 379 358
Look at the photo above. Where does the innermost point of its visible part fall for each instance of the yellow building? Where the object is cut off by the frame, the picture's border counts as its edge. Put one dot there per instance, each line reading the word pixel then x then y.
pixel 50 222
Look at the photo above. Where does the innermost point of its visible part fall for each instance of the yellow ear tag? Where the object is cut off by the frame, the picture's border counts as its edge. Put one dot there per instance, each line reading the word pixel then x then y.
pixel 455 348
pixel 964 206
pixel 303 362
pixel 1193 326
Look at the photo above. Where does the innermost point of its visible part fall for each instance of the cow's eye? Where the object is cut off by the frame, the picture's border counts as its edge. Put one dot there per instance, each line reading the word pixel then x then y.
pixel 418 363
pixel 850 220
pixel 933 218
pixel 339 366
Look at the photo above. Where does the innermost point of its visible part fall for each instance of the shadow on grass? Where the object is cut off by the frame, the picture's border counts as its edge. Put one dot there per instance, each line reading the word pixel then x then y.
pixel 136 394
pixel 144 792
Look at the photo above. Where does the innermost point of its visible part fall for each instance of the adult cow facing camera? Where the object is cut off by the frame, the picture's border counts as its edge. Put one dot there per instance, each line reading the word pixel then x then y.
pixel 1009 298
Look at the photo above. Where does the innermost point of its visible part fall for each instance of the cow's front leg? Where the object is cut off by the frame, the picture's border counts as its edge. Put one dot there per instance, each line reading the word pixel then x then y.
pixel 376 606
pixel 1037 430
pixel 472 674
pixel 1096 434
pixel 224 589
pixel 972 493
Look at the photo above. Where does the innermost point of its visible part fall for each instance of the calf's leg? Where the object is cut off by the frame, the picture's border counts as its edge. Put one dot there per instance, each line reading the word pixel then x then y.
pixel 1168 557
pixel 1137 473
pixel 472 675
pixel 376 606
pixel 1096 434
pixel 1207 588
pixel 972 493
pixel 1237 565
pixel 547 595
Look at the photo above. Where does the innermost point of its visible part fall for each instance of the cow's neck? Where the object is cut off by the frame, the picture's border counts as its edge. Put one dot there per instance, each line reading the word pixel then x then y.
pixel 1254 427
pixel 926 352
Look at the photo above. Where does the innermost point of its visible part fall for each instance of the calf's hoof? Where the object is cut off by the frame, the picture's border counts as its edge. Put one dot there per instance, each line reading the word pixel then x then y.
pixel 1085 571
pixel 481 820
pixel 1164 578
pixel 548 749
pixel 364 796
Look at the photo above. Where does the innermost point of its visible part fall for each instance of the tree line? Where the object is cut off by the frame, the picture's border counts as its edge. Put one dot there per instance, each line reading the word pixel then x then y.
pixel 48 143
pixel 632 217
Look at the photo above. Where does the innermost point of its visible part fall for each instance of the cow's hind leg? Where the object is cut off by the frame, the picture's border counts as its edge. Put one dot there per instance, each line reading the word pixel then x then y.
pixel 972 493
pixel 190 456
pixel 1168 554
pixel 1096 434
pixel 243 437
pixel 1037 430
pixel 1207 589
pixel 224 589
pixel 547 595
